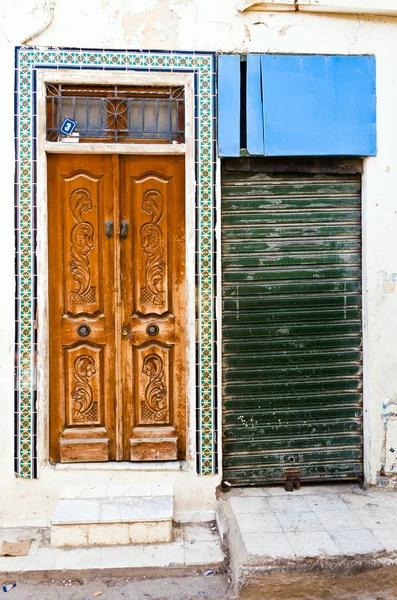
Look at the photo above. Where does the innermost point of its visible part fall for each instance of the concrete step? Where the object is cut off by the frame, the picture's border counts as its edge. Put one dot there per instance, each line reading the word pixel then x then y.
pixel 195 548
pixel 270 529
pixel 112 519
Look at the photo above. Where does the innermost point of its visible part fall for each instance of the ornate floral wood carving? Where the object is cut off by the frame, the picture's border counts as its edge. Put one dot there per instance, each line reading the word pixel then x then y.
pixel 85 408
pixel 82 242
pixel 154 408
pixel 153 247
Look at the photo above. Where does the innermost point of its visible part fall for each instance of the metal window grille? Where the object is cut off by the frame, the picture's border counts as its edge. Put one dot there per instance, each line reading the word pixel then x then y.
pixel 117 113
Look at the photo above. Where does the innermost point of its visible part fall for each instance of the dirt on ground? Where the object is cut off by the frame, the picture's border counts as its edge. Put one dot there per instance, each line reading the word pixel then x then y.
pixel 210 587
pixel 375 584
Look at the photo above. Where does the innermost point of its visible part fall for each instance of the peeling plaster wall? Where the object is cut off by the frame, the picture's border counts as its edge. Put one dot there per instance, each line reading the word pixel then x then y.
pixel 189 25
pixel 219 26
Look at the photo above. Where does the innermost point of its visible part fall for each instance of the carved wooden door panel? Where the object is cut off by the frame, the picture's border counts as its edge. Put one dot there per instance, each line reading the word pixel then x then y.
pixel 153 307
pixel 116 228
pixel 81 308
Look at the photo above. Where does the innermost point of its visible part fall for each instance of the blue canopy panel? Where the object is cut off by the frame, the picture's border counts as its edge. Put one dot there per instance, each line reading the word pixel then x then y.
pixel 304 106
pixel 255 140
pixel 229 104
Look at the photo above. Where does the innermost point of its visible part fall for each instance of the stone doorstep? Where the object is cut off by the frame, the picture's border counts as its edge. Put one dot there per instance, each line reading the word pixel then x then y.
pixel 117 491
pixel 113 510
pixel 112 521
pixel 195 548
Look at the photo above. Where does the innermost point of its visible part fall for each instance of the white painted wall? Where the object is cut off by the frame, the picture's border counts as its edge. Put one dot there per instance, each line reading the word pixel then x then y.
pixel 217 26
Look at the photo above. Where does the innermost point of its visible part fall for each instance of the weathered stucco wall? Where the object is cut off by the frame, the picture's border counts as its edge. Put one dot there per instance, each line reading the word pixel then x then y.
pixel 217 26
pixel 190 25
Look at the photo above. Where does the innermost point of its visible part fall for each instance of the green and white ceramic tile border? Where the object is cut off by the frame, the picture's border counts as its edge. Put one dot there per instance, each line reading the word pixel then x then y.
pixel 27 61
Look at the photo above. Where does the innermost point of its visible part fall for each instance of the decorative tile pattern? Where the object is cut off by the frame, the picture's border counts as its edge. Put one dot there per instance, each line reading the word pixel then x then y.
pixel 203 66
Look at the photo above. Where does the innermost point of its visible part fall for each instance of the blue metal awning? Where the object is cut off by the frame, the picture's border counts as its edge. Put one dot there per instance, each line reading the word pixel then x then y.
pixel 298 105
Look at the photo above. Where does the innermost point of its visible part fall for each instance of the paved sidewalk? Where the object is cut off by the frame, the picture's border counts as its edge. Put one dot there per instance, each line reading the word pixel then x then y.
pixel 272 528
pixel 195 548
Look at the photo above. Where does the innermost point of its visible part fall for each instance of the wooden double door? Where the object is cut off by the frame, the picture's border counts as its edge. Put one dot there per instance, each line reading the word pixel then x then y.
pixel 117 352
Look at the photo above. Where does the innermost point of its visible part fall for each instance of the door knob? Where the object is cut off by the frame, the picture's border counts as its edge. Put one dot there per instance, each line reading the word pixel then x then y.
pixel 124 331
pixel 109 225
pixel 83 330
pixel 124 229
pixel 152 329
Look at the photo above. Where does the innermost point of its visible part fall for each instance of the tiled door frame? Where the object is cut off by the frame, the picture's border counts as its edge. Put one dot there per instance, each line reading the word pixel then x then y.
pixel 197 72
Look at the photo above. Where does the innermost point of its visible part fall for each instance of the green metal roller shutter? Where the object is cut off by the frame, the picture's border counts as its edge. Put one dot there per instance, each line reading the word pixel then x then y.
pixel 291 326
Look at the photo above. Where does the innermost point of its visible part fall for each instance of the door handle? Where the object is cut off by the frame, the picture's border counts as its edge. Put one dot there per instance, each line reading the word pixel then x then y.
pixel 109 225
pixel 124 229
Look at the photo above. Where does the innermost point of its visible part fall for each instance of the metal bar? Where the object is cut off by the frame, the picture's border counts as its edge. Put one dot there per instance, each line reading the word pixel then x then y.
pixel 128 118
pixel 101 114
pixel 170 109
pixel 59 112
pixel 52 111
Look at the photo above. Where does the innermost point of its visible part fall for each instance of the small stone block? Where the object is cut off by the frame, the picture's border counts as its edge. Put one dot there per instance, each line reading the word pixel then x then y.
pixel 111 534
pixel 69 536
pixel 151 533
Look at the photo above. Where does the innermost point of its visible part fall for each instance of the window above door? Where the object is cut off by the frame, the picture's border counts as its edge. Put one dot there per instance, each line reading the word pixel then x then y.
pixel 119 114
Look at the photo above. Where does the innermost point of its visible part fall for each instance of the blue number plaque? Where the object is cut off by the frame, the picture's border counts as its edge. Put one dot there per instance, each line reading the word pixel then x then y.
pixel 68 126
